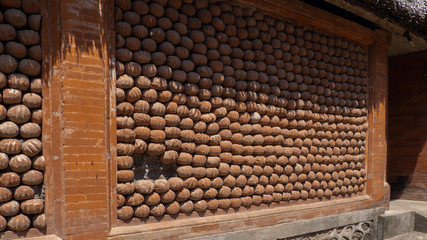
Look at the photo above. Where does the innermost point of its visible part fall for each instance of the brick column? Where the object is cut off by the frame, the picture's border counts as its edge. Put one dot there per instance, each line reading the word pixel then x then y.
pixel 377 139
pixel 77 84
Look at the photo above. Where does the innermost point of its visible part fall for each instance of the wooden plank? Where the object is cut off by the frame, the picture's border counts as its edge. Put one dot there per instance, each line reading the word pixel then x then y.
pixel 312 18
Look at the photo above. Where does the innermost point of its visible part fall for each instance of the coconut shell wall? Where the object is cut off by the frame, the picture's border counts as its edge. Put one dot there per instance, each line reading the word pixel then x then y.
pixel 220 107
pixel 21 161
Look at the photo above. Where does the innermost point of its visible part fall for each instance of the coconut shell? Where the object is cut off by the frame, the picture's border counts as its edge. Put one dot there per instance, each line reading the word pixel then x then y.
pixel 182 195
pixel 36 85
pixel 142 211
pixel 9 208
pixel 18 81
pixel 172 120
pixel 140 146
pixel 158 210
pixel 167 197
pixel 173 144
pixel 125 82
pixel 32 206
pixel 18 223
pixel 184 171
pixel 20 163
pixel 200 206
pixel 16 50
pixel 3 80
pixel 9 179
pixel 172 208
pixel 125 212
pixel 224 203
pixel 2 112
pixel 142 119
pixel 144 186
pixel 124 162
pixel 11 96
pixel 139 7
pixel 152 199
pixel 5 194
pixel 30 130
pixel 134 199
pixel 7 32
pixel 10 146
pixel 123 55
pixel 157 109
pixel 191 183
pixel 8 130
pixel 34 22
pixel 133 69
pixel 8 64
pixel 126 135
pixel 28 37
pixel 149 95
pixel 154 149
pixel 124 29
pixel 39 221
pixel 187 206
pixel 141 106
pixel 141 57
pixel 169 157
pixel 23 193
pixel 19 114
pixel 122 122
pixel 32 147
pixel 32 100
pixel 32 177
pixel 125 175
pixel 120 200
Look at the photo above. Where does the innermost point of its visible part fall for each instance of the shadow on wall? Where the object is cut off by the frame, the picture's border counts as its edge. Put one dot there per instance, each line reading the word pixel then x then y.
pixel 80 27
pixel 407 127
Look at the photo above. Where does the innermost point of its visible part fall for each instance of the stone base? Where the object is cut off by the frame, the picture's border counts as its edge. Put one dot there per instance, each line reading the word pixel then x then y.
pixel 363 230
pixel 352 225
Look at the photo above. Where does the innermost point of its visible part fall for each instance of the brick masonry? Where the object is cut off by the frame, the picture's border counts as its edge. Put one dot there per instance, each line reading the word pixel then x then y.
pixel 407 131
pixel 77 87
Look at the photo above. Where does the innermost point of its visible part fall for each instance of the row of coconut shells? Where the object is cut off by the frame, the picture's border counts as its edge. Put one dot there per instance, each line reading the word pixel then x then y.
pixel 246 108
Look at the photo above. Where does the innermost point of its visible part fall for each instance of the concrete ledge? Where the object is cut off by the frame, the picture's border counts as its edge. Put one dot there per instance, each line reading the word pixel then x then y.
pixel 298 228
pixel 394 223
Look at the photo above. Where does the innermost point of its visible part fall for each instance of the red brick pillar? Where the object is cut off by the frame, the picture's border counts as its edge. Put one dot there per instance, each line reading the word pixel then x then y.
pixel 78 117
pixel 377 139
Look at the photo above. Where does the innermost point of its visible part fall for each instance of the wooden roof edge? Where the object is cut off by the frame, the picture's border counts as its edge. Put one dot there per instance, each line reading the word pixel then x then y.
pixel 371 16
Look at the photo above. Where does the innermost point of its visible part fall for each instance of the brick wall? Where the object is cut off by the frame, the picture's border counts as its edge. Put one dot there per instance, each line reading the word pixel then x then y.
pixel 407 133
pixel 78 108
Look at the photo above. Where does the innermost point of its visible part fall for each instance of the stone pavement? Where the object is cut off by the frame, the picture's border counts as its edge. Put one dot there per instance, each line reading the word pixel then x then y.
pixel 406 220
pixel 410 236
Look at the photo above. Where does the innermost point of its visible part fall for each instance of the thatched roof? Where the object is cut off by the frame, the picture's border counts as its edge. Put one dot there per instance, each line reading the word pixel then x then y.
pixel 410 14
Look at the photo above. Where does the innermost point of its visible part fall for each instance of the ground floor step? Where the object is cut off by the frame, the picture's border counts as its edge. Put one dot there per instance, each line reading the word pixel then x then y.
pixel 410 236
pixel 404 220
